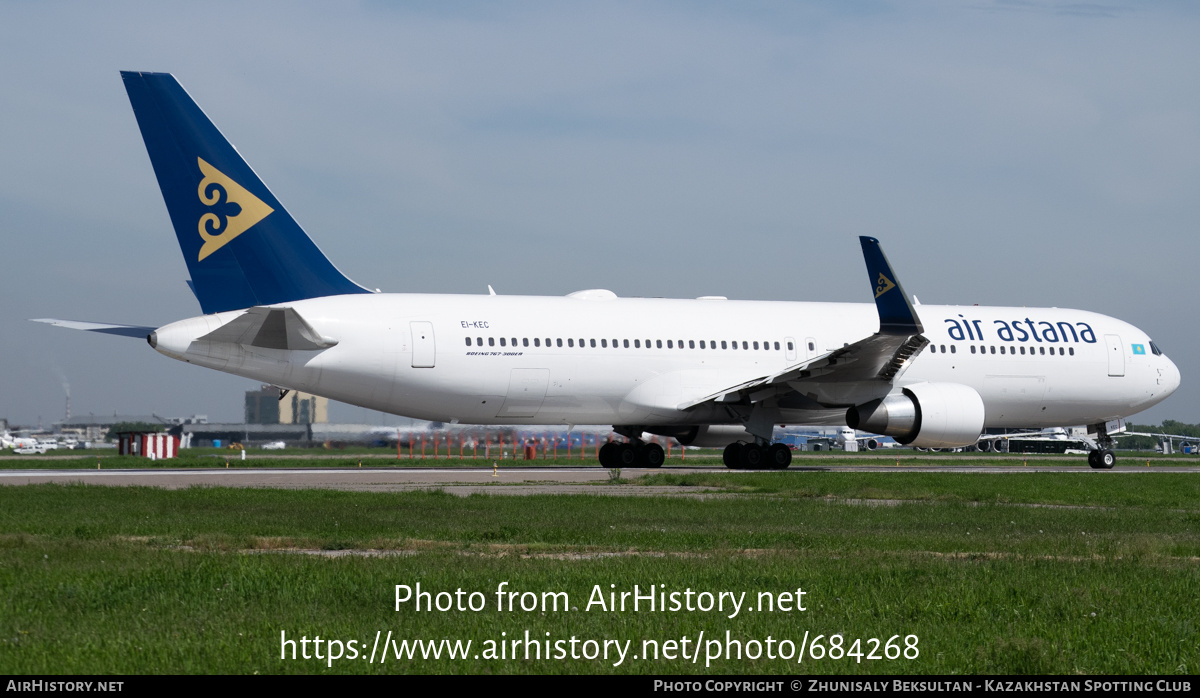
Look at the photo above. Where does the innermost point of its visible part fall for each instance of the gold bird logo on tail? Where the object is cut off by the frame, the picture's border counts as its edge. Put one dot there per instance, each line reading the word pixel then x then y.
pixel 232 209
pixel 883 285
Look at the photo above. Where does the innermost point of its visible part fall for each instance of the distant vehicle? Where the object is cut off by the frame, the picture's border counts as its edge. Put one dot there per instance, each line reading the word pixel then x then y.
pixel 15 442
pixel 274 446
pixel 48 444
pixel 29 450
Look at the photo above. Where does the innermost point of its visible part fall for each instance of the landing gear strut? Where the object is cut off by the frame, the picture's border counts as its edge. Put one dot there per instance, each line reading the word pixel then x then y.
pixel 752 456
pixel 1102 458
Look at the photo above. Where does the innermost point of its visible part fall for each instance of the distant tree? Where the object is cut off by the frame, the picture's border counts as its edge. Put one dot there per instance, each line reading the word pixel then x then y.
pixel 121 427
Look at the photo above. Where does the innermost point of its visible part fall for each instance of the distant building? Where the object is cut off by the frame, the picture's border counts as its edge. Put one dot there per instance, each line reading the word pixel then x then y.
pixel 264 406
pixel 95 427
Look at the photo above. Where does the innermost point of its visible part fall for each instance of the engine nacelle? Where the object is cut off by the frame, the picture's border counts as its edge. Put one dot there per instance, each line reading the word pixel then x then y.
pixel 705 435
pixel 928 415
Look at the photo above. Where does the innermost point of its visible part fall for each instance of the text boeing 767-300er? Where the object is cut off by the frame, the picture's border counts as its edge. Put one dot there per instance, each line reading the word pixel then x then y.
pixel 708 371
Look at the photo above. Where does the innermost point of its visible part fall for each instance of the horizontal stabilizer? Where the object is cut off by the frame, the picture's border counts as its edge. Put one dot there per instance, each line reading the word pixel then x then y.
pixel 123 330
pixel 270 328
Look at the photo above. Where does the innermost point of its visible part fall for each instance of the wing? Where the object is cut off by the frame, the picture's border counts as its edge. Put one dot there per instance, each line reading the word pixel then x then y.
pixel 138 331
pixel 855 373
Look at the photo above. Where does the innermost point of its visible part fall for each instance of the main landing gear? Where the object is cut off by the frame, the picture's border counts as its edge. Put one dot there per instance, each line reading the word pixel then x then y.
pixel 632 454
pixel 752 456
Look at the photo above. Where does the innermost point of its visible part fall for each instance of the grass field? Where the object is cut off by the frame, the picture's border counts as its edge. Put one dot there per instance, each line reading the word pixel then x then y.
pixel 1005 573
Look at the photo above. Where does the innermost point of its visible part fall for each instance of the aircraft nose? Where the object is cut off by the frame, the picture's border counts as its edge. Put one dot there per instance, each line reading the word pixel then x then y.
pixel 1171 377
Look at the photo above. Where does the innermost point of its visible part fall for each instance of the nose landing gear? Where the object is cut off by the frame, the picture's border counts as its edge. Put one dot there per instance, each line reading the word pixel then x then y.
pixel 1102 459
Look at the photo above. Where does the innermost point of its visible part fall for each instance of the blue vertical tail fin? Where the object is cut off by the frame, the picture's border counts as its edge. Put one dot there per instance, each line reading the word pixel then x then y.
pixel 241 247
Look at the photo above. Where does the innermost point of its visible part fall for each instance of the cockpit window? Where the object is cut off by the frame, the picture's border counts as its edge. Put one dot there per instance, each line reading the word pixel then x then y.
pixel 1154 348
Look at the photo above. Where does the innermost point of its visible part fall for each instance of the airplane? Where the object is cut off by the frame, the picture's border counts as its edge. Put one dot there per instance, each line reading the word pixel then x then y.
pixel 706 371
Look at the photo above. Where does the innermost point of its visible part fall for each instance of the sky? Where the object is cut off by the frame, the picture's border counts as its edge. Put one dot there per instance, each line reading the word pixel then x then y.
pixel 1022 153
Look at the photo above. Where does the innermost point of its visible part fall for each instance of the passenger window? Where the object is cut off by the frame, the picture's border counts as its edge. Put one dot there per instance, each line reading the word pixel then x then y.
pixel 593 343
pixel 658 344
pixel 491 341
pixel 790 346
pixel 479 341
pixel 670 344
pixel 502 341
pixel 953 349
pixel 702 344
pixel 637 344
pixel 604 343
pixel 537 342
pixel 570 342
pixel 723 344
pixel 1043 350
pixel 972 348
pixel 1001 349
pixel 712 344
pixel 468 341
pixel 691 344
pixel 1072 351
pixel 625 343
pixel 524 341
pixel 1061 351
pixel 558 342
pixel 776 346
pixel 993 349
pixel 756 346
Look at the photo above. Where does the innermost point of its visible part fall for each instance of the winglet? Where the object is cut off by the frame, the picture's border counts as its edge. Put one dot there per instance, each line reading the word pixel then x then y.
pixel 896 314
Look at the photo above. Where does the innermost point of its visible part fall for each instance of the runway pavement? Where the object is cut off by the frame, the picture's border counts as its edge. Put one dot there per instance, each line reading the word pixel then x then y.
pixel 466 481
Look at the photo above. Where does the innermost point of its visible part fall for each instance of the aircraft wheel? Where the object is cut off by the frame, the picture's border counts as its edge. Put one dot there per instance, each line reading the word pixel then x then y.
pixel 752 457
pixel 779 457
pixel 1102 459
pixel 627 456
pixel 733 456
pixel 608 455
pixel 652 456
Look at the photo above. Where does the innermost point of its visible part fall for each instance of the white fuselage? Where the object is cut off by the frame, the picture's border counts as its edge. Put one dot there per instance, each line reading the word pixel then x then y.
pixel 552 360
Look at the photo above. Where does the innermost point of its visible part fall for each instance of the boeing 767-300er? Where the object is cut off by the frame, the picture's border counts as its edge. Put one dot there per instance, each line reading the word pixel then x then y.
pixel 708 371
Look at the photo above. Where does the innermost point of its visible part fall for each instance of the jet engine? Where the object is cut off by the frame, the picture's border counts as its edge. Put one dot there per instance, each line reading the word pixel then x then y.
pixel 928 415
